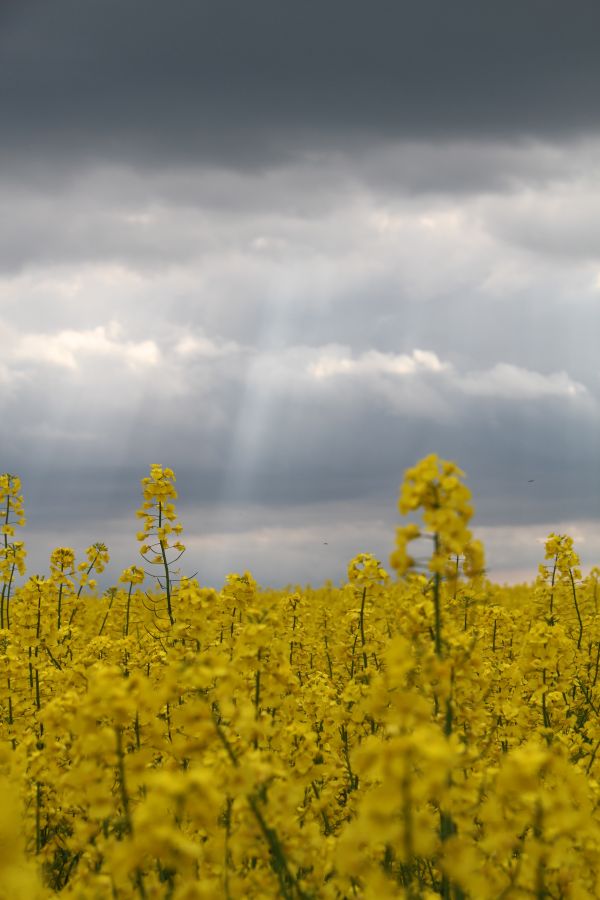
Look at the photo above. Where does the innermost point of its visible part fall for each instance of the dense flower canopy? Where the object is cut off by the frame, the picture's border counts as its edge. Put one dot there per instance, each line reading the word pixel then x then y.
pixel 433 736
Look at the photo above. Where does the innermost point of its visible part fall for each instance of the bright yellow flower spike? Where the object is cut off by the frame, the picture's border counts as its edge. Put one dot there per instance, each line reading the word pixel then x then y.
pixel 158 513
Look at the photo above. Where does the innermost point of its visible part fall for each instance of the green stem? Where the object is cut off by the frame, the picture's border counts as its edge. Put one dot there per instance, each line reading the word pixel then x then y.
pixel 362 624
pixel 38 817
pixel 122 781
pixel 89 569
pixel 577 610
pixel 437 602
pixel 60 593
pixel 128 610
pixel 4 586
pixel 257 684
pixel 278 857
pixel 166 567
pixel 597 666
pixel 38 700
pixel 8 590
pixel 279 863
pixel 552 589
pixel 106 615
pixel 10 707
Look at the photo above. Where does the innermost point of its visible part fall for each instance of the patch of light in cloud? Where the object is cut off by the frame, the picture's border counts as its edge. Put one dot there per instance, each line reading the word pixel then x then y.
pixel 67 348
pixel 339 362
pixel 503 380
pixel 202 346
pixel 513 382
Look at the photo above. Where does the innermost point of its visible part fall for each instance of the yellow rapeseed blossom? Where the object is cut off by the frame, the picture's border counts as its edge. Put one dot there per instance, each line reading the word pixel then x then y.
pixel 132 575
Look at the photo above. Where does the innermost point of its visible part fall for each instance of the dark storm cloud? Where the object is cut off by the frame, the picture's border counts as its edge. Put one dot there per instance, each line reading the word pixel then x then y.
pixel 253 83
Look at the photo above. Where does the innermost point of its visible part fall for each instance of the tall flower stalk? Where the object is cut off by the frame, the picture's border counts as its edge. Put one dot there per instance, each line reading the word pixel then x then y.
pixel 160 523
pixel 12 553
pixel 434 486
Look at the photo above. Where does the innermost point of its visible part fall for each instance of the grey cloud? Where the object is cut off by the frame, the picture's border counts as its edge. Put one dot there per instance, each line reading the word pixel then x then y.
pixel 312 485
pixel 383 209
pixel 254 84
pixel 270 459
pixel 263 429
pixel 458 166
pixel 560 223
pixel 254 191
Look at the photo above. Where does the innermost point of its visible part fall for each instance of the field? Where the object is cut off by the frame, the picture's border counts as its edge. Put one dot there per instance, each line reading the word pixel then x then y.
pixel 418 734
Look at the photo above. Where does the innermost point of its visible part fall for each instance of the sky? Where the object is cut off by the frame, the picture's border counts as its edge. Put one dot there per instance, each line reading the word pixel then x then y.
pixel 288 249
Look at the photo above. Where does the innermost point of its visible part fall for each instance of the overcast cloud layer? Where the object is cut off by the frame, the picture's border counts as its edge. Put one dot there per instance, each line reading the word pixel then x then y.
pixel 288 249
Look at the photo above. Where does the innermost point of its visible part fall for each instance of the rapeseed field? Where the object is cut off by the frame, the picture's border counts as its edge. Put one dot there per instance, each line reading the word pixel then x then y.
pixel 420 733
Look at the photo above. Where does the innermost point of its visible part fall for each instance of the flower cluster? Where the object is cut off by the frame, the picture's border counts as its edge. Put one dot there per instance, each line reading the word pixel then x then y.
pixel 365 570
pixel 435 486
pixel 158 513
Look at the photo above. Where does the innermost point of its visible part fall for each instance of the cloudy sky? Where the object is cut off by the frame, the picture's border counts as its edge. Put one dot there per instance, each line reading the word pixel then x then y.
pixel 288 249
